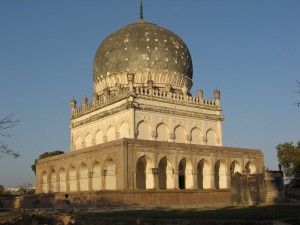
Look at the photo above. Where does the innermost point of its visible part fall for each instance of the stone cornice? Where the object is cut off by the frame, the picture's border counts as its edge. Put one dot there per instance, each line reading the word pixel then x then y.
pixel 178 112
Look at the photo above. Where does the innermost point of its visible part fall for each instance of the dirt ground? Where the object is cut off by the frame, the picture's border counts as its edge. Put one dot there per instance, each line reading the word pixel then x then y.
pixel 249 215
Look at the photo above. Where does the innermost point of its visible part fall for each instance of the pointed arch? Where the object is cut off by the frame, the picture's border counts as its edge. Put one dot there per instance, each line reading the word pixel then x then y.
pixel 220 175
pixel 144 175
pixel 162 131
pixel 250 168
pixel 44 182
pixel 235 167
pixel 99 137
pixel 110 175
pixel 88 140
pixel 83 177
pixel 53 181
pixel 166 174
pixel 211 137
pixel 185 177
pixel 111 133
pixel 72 178
pixel 124 130
pixel 143 131
pixel 196 136
pixel 204 174
pixel 78 143
pixel 96 176
pixel 180 134
pixel 62 176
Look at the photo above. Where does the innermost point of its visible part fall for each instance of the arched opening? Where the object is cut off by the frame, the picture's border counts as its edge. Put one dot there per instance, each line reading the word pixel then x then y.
pixel 44 182
pixel 72 179
pixel 203 176
pixel 144 175
pixel 124 130
pixel 111 134
pixel 220 175
pixel 250 168
pixel 84 180
pixel 162 132
pixel 110 175
pixel 52 181
pixel 185 177
pixel 62 180
pixel 180 135
pixel 211 138
pixel 165 176
pixel 196 136
pixel 78 143
pixel 99 137
pixel 235 167
pixel 88 140
pixel 96 176
pixel 143 131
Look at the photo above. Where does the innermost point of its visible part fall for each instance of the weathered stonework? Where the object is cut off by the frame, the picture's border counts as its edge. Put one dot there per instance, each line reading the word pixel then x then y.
pixel 144 135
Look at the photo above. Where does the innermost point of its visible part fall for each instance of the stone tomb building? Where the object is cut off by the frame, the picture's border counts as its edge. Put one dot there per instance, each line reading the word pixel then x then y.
pixel 143 131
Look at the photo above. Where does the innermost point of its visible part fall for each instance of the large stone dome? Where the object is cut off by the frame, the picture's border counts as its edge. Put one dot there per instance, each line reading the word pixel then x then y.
pixel 149 51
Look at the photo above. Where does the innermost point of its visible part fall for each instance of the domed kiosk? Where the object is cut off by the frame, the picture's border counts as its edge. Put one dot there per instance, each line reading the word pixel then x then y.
pixel 143 139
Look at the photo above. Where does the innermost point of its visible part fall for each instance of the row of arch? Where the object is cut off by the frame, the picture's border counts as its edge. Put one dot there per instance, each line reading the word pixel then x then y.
pixel 147 176
pixel 161 133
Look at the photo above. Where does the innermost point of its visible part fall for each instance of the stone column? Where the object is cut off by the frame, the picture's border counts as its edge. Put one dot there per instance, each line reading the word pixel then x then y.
pixel 155 172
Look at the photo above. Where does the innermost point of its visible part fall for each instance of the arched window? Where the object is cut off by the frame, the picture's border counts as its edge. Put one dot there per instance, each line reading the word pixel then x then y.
pixel 144 175
pixel 72 179
pixel 162 132
pixel 88 140
pixel 180 135
pixel 250 168
pixel 45 182
pixel 96 176
pixel 62 180
pixel 124 130
pixel 99 137
pixel 185 178
pixel 220 175
pixel 211 138
pixel 143 131
pixel 84 179
pixel 53 181
pixel 235 167
pixel 196 136
pixel 204 175
pixel 111 134
pixel 78 143
pixel 165 176
pixel 110 176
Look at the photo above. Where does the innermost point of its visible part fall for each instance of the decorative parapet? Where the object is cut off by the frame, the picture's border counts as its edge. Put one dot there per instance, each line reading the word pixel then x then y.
pixel 175 97
pixel 146 92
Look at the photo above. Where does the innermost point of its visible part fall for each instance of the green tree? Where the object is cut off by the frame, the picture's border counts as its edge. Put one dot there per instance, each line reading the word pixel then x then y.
pixel 7 123
pixel 288 156
pixel 45 155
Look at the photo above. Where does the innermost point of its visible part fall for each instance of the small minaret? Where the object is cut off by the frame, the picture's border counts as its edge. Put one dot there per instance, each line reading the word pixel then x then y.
pixel 217 97
pixel 200 94
pixel 73 103
pixel 130 79
pixel 84 100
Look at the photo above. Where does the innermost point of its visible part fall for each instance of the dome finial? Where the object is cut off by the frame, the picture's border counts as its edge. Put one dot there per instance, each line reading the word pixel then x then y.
pixel 141 11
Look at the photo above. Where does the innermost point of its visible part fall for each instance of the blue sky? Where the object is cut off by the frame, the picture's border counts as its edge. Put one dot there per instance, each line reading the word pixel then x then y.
pixel 249 49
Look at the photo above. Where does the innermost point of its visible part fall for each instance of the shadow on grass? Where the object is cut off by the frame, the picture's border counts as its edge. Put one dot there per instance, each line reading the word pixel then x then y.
pixel 249 213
